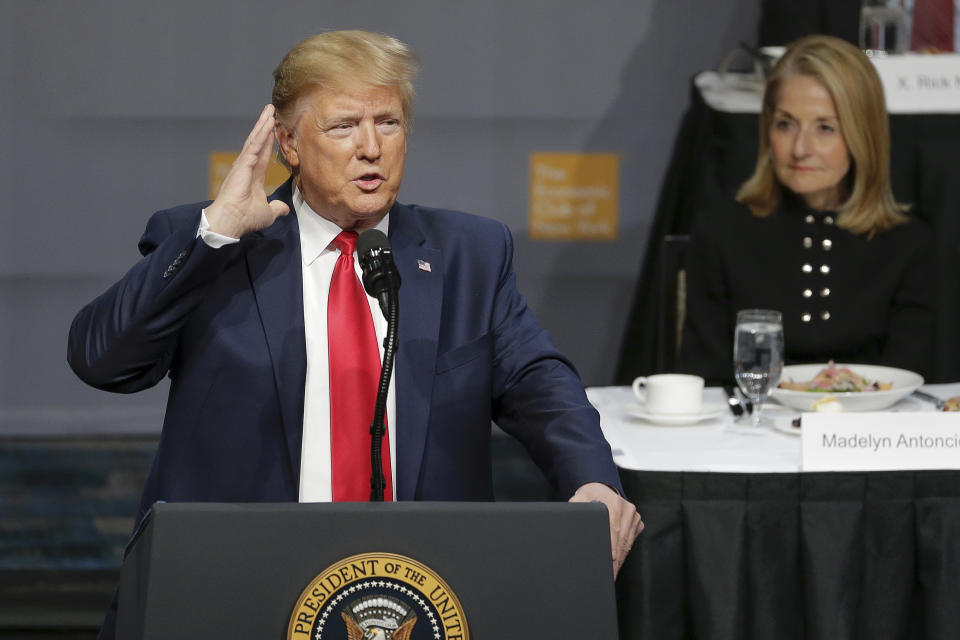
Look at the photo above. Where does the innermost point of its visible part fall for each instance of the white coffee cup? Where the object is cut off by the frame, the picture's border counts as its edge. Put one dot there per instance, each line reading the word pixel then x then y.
pixel 670 393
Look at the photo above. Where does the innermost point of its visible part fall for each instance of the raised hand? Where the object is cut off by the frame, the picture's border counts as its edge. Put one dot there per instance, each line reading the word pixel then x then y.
pixel 241 205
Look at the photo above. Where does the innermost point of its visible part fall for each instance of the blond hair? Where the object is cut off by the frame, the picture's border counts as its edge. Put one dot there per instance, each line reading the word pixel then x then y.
pixel 853 84
pixel 344 60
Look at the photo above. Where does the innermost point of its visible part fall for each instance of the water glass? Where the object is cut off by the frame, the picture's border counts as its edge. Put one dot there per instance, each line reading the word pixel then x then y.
pixel 883 27
pixel 758 355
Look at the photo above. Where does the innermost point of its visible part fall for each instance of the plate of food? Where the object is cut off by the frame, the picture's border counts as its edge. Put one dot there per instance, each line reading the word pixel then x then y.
pixel 857 387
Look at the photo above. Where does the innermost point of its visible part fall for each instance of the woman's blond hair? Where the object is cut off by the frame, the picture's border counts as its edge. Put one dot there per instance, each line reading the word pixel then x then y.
pixel 851 80
pixel 344 60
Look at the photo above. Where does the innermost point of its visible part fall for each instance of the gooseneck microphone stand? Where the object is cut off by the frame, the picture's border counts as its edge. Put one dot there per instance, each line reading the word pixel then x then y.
pixel 377 427
pixel 381 279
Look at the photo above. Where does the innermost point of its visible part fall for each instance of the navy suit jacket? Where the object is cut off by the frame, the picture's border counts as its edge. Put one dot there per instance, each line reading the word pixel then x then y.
pixel 227 326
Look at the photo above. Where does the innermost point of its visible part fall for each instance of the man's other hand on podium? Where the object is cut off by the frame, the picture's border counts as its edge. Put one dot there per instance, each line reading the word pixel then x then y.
pixel 625 522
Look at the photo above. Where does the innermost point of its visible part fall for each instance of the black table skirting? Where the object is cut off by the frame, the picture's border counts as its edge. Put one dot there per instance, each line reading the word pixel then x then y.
pixel 787 556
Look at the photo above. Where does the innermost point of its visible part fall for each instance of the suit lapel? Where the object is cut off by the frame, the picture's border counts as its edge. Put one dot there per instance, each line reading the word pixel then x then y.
pixel 273 262
pixel 421 295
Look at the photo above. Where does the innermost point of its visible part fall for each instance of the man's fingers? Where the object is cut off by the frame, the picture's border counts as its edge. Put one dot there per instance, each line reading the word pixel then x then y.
pixel 256 133
pixel 265 151
pixel 625 526
pixel 631 529
pixel 280 208
pixel 614 543
pixel 631 523
pixel 258 146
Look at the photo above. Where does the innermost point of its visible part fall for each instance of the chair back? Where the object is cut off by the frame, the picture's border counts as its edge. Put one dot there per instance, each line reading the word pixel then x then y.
pixel 671 301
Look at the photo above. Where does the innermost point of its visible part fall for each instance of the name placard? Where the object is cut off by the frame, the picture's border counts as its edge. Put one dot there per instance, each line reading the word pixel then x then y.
pixel 920 83
pixel 880 441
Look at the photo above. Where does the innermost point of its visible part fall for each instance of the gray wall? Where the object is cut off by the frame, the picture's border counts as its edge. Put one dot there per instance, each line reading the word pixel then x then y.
pixel 110 110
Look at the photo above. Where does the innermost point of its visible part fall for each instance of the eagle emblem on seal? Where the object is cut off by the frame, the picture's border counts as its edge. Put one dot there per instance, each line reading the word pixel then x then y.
pixel 378 618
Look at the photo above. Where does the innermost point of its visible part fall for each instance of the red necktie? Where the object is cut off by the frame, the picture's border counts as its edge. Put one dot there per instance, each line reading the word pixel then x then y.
pixel 354 378
pixel 932 26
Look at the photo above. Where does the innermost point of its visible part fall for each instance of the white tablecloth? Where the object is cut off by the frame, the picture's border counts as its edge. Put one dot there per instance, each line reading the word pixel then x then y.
pixel 711 445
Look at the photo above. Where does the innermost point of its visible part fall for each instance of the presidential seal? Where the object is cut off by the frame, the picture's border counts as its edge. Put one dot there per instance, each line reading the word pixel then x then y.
pixel 378 596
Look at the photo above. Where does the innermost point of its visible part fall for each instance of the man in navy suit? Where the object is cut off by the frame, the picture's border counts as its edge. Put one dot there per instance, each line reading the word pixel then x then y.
pixel 229 300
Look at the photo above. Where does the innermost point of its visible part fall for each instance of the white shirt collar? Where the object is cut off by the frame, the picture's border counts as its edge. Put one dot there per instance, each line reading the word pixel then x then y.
pixel 316 232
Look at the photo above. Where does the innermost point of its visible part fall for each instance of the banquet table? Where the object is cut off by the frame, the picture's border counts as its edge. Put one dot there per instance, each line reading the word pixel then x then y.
pixel 739 543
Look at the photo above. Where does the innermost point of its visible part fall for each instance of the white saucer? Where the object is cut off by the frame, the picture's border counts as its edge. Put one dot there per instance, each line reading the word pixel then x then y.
pixel 706 413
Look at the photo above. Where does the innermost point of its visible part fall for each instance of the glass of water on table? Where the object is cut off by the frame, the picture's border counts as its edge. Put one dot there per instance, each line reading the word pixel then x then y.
pixel 758 356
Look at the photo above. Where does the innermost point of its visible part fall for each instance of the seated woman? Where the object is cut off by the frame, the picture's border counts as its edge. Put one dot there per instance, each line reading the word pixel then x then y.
pixel 815 232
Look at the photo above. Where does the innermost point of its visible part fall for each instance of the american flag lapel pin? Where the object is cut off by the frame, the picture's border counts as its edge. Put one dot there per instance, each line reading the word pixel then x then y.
pixel 423 265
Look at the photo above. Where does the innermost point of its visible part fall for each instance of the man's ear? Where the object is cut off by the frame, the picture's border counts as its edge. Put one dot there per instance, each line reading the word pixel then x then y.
pixel 287 144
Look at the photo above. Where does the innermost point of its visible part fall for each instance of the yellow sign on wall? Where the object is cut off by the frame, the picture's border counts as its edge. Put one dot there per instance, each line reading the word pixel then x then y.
pixel 221 161
pixel 574 196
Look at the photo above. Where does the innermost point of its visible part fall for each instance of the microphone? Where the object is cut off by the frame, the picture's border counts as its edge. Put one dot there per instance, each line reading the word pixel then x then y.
pixel 380 276
pixel 381 279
